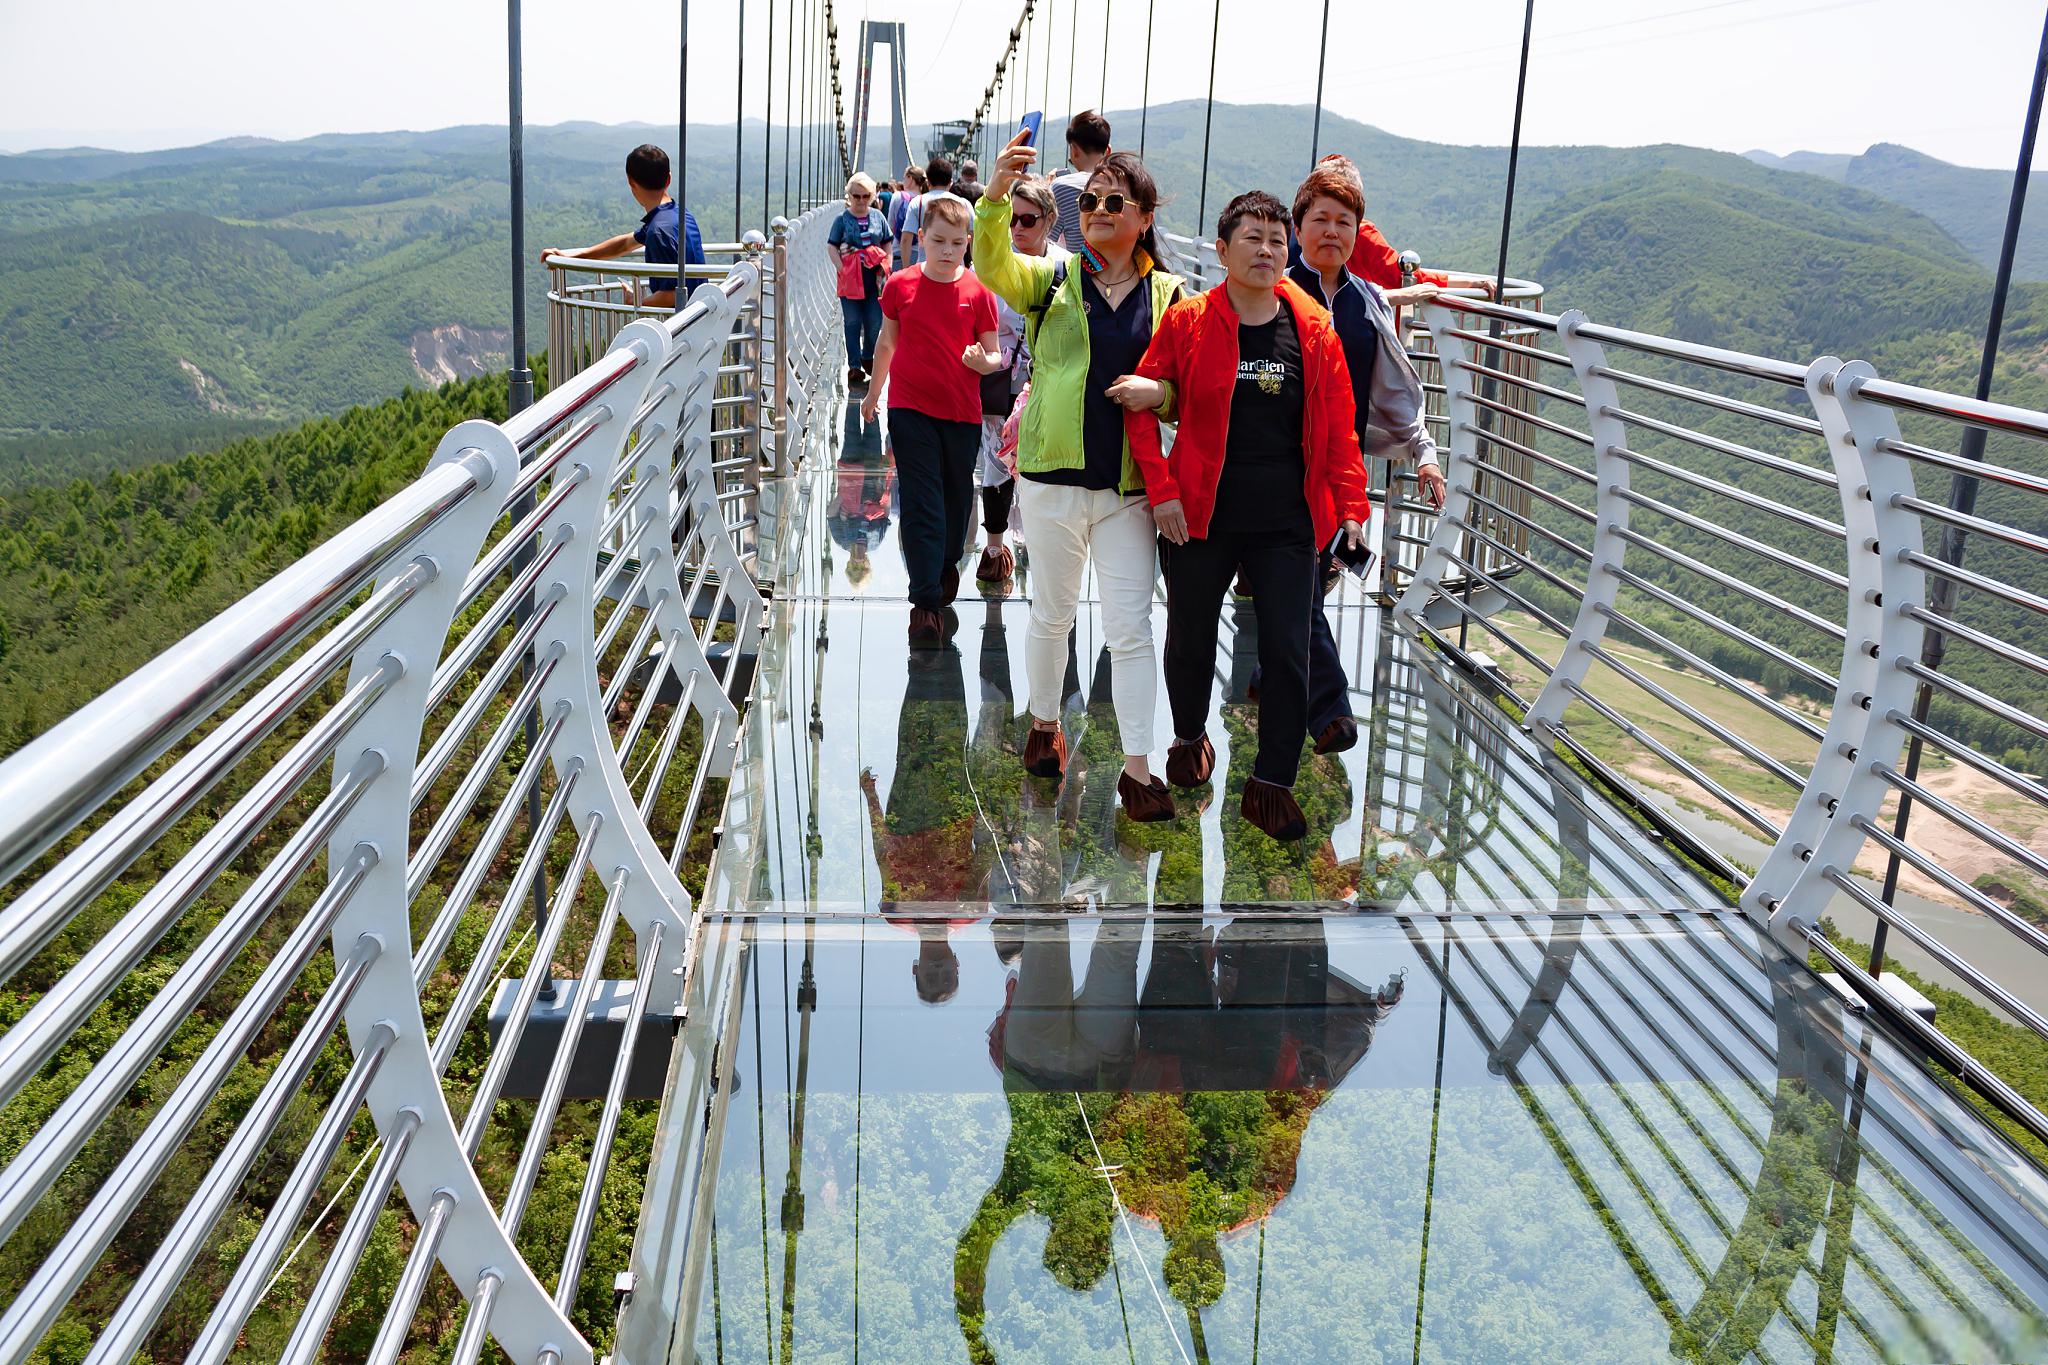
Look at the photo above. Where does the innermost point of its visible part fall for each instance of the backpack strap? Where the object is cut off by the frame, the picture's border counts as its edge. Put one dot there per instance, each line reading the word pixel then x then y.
pixel 1037 310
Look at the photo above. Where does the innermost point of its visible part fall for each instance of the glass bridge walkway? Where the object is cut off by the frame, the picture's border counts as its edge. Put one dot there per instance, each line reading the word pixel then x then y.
pixel 1478 1071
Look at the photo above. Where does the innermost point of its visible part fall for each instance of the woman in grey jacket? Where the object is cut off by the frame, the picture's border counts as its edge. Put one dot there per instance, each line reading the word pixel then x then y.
pixel 1385 388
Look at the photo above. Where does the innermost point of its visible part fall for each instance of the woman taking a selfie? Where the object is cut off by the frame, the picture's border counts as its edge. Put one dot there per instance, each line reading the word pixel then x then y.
pixel 1087 321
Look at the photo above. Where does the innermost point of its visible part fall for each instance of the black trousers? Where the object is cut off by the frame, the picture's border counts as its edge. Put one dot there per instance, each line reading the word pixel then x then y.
pixel 1280 568
pixel 935 470
pixel 996 502
pixel 1328 689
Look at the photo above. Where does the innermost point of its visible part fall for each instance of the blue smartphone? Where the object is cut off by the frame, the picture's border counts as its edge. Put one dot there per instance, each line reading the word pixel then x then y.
pixel 1033 122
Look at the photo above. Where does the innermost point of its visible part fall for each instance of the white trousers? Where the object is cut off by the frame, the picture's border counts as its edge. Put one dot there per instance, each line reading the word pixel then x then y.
pixel 1068 526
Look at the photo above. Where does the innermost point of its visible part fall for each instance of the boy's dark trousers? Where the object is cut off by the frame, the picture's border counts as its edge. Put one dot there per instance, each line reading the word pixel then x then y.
pixel 935 471
pixel 1281 571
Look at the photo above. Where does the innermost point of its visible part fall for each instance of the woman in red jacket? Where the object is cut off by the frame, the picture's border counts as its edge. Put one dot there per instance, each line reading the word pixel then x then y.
pixel 1265 470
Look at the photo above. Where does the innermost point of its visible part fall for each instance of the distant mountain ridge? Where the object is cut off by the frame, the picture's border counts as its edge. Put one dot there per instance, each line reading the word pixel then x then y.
pixel 1969 202
pixel 250 279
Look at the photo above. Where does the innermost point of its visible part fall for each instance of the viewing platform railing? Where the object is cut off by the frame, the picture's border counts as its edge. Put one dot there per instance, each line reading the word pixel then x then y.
pixel 1404 529
pixel 510 730
pixel 497 730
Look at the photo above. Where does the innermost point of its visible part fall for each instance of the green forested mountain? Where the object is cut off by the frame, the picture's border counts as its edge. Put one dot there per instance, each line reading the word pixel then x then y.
pixel 1969 202
pixel 266 281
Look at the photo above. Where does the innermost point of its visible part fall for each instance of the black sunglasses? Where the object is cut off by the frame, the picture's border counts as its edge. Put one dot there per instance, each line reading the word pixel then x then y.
pixel 1108 203
pixel 1027 221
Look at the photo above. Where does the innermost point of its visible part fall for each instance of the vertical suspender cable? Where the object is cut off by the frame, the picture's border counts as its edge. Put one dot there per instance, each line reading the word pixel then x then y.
pixel 1073 52
pixel 1507 218
pixel 1315 136
pixel 682 167
pixel 1051 19
pixel 1145 93
pixel 519 378
pixel 1208 121
pixel 1102 97
pixel 739 114
pixel 1962 488
pixel 789 77
pixel 768 111
pixel 1507 211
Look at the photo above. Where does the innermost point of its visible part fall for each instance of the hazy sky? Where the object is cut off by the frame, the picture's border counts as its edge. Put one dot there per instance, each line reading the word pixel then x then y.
pixel 1949 78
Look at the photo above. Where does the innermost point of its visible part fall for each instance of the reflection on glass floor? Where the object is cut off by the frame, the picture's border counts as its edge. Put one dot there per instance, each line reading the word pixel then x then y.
pixel 872 774
pixel 978 1069
pixel 1610 1137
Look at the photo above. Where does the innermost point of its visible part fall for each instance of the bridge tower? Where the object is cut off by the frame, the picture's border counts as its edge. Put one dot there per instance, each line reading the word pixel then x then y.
pixel 873 34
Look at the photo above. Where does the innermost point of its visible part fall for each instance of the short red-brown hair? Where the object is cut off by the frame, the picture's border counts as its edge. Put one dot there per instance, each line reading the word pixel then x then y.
pixel 1331 179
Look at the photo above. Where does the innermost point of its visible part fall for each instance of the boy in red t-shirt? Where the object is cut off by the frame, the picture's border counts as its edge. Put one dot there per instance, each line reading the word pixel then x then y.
pixel 938 338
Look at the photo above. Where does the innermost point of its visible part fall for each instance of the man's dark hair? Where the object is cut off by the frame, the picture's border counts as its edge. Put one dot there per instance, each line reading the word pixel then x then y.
pixel 969 171
pixel 647 167
pixel 939 172
pixel 1089 131
pixel 1251 204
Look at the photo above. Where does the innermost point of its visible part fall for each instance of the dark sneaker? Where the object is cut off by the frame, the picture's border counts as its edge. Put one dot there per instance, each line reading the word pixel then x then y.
pixel 927 628
pixel 856 376
pixel 1273 809
pixel 1045 752
pixel 1147 803
pixel 949 584
pixel 996 564
pixel 1339 735
pixel 1189 763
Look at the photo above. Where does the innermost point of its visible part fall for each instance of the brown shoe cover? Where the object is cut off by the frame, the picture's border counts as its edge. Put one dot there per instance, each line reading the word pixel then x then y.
pixel 1045 753
pixel 927 628
pixel 996 564
pixel 949 584
pixel 1189 765
pixel 1274 810
pixel 1339 735
pixel 1147 803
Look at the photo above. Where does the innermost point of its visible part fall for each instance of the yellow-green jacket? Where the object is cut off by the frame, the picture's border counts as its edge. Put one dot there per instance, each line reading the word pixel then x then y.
pixel 1056 329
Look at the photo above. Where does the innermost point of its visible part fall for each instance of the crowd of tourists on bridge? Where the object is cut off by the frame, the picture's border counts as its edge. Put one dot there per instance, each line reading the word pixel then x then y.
pixel 1026 336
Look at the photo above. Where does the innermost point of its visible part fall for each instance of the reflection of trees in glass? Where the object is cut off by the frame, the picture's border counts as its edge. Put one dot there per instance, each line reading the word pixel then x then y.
pixel 1234 1043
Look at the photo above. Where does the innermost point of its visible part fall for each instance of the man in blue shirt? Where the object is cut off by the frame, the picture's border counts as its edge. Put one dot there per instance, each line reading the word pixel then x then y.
pixel 665 234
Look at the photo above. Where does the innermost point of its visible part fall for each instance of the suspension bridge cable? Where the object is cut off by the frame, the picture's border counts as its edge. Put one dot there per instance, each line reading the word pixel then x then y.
pixel 1073 52
pixel 1315 137
pixel 1145 95
pixel 768 112
pixel 1208 121
pixel 1962 490
pixel 739 115
pixel 1102 96
pixel 1507 212
pixel 789 76
pixel 1052 18
pixel 682 166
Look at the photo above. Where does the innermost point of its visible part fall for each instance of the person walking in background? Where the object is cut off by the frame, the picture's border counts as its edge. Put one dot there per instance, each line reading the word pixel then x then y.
pixel 667 234
pixel 1031 222
pixel 968 184
pixel 912 186
pixel 1385 390
pixel 938 175
pixel 885 194
pixel 938 333
pixel 1266 468
pixel 1087 148
pixel 1081 495
pixel 858 240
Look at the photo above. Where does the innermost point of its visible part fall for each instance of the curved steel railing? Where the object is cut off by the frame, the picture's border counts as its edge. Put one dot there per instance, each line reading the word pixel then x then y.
pixel 558 607
pixel 1793 586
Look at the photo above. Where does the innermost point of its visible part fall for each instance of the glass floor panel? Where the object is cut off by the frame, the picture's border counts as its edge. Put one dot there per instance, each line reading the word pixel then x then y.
pixel 1616 1136
pixel 977 1068
pixel 871 774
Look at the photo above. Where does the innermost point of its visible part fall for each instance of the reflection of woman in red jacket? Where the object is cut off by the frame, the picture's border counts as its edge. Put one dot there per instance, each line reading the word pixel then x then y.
pixel 1265 470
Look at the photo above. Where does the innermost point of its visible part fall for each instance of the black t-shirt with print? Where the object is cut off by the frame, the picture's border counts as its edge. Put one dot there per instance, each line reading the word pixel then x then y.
pixel 1261 484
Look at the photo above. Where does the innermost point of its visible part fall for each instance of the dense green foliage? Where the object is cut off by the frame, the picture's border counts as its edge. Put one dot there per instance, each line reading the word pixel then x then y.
pixel 1969 202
